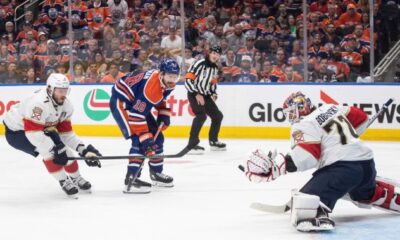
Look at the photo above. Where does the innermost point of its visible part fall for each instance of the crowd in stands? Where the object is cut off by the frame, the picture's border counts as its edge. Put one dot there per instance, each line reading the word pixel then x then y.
pixel 262 40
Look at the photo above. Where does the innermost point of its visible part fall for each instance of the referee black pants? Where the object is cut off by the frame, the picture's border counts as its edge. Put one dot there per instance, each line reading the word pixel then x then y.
pixel 209 108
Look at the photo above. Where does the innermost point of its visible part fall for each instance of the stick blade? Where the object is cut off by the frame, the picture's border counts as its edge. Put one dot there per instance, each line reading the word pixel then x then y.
pixel 270 208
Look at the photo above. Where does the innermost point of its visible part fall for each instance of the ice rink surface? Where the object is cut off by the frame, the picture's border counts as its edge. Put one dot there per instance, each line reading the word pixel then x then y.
pixel 210 199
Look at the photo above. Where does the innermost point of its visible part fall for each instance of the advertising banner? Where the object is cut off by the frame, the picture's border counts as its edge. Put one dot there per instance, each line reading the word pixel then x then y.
pixel 244 106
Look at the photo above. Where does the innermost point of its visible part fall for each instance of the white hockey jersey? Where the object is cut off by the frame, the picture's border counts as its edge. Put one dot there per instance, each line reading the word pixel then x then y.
pixel 37 112
pixel 327 135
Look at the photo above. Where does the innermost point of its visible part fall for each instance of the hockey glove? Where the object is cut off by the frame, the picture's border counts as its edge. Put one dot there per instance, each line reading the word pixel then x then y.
pixel 91 154
pixel 164 116
pixel 60 154
pixel 147 144
pixel 261 167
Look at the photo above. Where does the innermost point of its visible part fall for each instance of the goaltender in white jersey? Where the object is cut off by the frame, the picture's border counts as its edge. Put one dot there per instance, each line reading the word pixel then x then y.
pixel 41 125
pixel 329 127
pixel 325 138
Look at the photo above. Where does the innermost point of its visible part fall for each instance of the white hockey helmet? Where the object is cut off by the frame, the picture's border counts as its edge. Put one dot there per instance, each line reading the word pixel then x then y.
pixel 56 80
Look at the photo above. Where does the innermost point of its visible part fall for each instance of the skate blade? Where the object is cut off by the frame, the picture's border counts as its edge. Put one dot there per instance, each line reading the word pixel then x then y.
pixel 217 149
pixel 134 190
pixel 309 227
pixel 195 153
pixel 162 185
pixel 73 196
pixel 88 191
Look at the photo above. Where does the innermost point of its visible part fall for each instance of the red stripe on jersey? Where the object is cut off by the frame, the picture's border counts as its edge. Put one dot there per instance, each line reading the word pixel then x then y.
pixel 136 160
pixel 356 116
pixel 156 160
pixel 51 166
pixel 72 168
pixel 313 148
pixel 123 88
pixel 64 126
pixel 30 125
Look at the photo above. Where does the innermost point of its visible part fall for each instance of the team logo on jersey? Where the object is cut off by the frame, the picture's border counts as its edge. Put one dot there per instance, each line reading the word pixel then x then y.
pixel 37 113
pixel 298 137
pixel 96 104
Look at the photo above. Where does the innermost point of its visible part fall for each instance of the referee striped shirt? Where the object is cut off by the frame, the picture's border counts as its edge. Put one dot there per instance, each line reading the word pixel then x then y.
pixel 202 77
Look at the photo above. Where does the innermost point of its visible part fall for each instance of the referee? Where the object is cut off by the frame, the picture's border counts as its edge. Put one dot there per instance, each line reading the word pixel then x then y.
pixel 201 84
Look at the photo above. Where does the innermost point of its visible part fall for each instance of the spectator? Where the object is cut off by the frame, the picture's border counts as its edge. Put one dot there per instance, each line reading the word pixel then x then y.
pixel 290 75
pixel 11 76
pixel 92 75
pixel 78 73
pixel 113 74
pixel 229 66
pixel 172 41
pixel 229 27
pixel 118 11
pixel 340 68
pixel 26 27
pixel 28 18
pixel 265 74
pixel 137 63
pixel 246 72
pixel 248 49
pixel 30 76
pixel 323 74
pixel 237 38
pixel 353 59
pixel 349 18
pixel 101 64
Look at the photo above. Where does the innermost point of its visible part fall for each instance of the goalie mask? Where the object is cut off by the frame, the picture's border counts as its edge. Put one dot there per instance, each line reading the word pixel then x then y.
pixel 296 106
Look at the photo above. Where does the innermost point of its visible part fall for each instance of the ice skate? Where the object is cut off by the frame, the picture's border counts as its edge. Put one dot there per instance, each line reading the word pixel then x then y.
pixel 136 186
pixel 82 184
pixel 161 180
pixel 217 146
pixel 321 223
pixel 196 150
pixel 69 188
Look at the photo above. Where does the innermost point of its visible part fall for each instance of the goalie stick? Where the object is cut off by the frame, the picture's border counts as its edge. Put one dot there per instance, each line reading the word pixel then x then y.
pixel 286 207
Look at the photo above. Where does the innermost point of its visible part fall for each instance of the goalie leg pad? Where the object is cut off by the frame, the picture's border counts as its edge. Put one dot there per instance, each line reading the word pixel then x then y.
pixel 386 195
pixel 309 214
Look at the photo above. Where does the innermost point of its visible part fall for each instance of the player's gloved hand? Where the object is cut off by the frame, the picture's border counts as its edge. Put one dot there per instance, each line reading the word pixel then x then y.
pixel 52 133
pixel 164 116
pixel 147 144
pixel 261 167
pixel 60 154
pixel 91 154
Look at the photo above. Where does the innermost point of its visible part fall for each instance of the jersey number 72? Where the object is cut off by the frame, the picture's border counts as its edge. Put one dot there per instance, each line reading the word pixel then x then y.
pixel 341 123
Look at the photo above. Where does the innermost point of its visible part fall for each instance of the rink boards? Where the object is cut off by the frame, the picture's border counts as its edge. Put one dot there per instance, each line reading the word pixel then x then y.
pixel 250 110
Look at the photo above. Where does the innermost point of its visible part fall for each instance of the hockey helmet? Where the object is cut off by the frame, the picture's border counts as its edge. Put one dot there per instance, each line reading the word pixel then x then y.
pixel 216 49
pixel 169 65
pixel 56 80
pixel 296 106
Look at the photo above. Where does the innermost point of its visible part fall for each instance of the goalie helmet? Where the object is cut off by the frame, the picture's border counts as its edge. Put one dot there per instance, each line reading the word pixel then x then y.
pixel 296 106
pixel 56 80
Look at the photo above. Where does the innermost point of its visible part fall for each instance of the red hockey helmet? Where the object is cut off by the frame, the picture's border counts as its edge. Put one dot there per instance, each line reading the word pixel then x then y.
pixel 296 106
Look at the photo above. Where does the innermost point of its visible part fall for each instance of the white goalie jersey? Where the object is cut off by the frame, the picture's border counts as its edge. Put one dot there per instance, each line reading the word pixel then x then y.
pixel 327 135
pixel 37 112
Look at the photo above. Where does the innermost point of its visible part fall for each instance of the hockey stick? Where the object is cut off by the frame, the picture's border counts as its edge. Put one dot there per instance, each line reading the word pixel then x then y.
pixel 177 155
pixel 286 207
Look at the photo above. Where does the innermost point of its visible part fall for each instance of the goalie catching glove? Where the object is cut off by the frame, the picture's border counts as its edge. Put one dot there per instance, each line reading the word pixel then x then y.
pixel 90 154
pixel 261 167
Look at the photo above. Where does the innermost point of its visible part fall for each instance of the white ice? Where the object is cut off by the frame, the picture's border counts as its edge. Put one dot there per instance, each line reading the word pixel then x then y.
pixel 210 199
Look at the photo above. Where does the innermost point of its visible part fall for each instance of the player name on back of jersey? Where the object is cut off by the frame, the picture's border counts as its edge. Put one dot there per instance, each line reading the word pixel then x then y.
pixel 321 118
